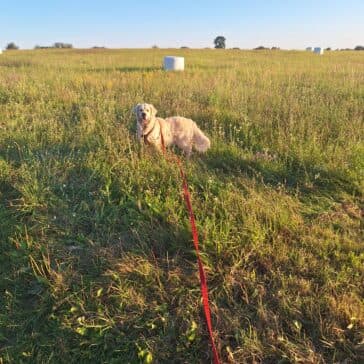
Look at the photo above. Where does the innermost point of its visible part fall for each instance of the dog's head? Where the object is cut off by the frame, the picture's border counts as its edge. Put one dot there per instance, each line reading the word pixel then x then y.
pixel 145 113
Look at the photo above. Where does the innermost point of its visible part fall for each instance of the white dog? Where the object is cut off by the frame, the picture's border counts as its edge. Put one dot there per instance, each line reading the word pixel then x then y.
pixel 174 130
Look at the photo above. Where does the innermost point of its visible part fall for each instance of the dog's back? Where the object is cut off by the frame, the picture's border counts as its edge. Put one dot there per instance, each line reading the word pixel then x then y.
pixel 186 134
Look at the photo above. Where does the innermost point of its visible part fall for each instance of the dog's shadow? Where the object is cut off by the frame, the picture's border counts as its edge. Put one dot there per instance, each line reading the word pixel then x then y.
pixel 307 178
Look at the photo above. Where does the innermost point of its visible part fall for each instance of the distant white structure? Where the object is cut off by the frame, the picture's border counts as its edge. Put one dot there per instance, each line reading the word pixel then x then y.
pixel 172 63
pixel 1 51
pixel 309 49
pixel 318 50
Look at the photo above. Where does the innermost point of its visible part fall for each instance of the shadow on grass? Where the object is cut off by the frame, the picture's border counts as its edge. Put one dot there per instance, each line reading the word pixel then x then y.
pixel 8 226
pixel 18 64
pixel 210 67
pixel 308 179
pixel 86 233
pixel 21 149
pixel 129 69
pixel 82 208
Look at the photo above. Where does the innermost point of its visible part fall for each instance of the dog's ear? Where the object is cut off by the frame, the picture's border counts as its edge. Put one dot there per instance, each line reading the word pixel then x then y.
pixel 135 108
pixel 154 110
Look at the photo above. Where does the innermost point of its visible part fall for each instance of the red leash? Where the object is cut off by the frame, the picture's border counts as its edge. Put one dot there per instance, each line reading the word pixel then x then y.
pixel 203 281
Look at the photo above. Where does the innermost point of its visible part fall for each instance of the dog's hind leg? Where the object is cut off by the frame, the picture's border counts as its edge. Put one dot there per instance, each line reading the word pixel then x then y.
pixel 187 149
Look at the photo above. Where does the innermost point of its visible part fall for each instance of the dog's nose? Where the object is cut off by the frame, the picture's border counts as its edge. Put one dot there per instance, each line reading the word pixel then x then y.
pixel 144 114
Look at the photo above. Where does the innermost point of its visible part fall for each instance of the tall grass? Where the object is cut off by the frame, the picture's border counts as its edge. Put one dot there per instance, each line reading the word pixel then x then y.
pixel 96 259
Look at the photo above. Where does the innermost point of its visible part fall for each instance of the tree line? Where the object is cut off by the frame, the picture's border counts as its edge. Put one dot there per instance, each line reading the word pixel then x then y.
pixel 219 43
pixel 59 45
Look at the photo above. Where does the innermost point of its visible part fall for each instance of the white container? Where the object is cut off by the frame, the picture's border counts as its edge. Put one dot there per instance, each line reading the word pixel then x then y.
pixel 172 63
pixel 318 50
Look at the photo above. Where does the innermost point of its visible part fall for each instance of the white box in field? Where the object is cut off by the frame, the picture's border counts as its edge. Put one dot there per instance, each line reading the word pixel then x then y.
pixel 172 63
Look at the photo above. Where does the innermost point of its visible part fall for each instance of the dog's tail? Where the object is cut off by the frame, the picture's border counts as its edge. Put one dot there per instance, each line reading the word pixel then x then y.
pixel 200 141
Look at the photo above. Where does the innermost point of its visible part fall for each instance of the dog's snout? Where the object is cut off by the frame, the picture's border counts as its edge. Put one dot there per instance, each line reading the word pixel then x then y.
pixel 144 114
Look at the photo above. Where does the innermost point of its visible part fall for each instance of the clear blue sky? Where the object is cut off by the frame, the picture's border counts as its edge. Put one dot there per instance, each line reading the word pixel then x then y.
pixel 194 23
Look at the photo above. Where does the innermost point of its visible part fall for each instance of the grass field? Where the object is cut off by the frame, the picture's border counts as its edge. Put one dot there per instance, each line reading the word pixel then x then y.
pixel 96 259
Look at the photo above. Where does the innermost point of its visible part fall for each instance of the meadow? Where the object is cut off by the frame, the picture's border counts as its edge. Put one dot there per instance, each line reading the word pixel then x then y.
pixel 96 259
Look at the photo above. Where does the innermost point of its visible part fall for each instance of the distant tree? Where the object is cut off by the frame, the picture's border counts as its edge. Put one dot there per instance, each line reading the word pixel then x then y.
pixel 236 48
pixel 359 48
pixel 62 45
pixel 260 48
pixel 42 47
pixel 275 48
pixel 11 46
pixel 328 49
pixel 219 42
pixel 184 47
pixel 155 46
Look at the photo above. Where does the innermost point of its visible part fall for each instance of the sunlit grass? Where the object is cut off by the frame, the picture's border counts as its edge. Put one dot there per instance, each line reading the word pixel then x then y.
pixel 96 259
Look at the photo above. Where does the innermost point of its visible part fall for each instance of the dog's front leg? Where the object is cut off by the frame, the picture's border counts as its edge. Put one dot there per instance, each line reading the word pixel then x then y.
pixel 139 133
pixel 140 138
